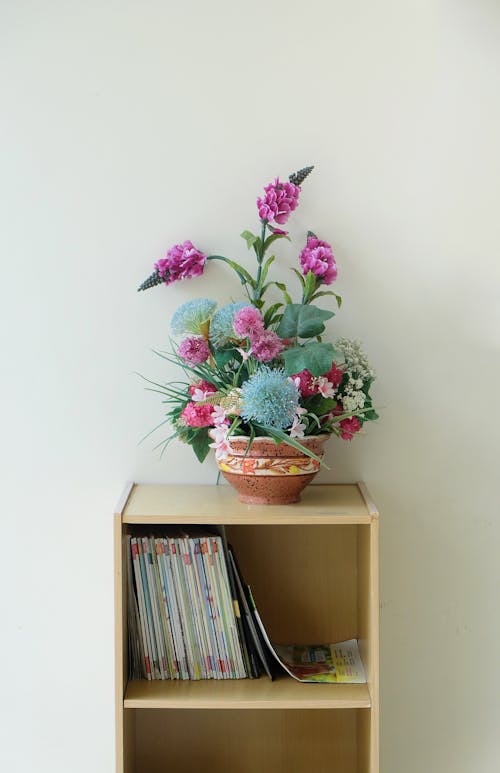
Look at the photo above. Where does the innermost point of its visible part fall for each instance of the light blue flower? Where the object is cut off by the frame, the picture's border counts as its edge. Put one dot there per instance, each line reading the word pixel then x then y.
pixel 192 316
pixel 270 397
pixel 221 326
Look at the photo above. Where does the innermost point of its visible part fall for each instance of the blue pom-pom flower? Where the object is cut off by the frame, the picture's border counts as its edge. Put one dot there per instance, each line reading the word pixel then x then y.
pixel 192 316
pixel 221 326
pixel 270 397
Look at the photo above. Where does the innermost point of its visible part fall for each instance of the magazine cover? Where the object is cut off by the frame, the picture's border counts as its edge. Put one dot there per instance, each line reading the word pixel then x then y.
pixel 331 663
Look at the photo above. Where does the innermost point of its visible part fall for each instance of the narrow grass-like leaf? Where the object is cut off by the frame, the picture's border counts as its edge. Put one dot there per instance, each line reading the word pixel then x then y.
pixel 278 434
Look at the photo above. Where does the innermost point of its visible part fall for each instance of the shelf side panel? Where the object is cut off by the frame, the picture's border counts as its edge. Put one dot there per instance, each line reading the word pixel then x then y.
pixel 120 642
pixel 124 720
pixel 368 617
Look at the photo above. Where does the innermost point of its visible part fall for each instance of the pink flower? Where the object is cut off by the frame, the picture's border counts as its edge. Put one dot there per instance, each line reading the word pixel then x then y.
pixel 317 256
pixel 204 386
pixel 349 427
pixel 248 322
pixel 199 396
pixel 267 346
pixel 183 261
pixel 194 349
pixel 244 355
pixel 221 443
pixel 196 415
pixel 305 384
pixel 297 428
pixel 325 387
pixel 279 201
pixel 219 416
pixel 334 375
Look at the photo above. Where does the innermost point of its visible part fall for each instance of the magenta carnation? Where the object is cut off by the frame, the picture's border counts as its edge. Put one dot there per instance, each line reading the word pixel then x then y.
pixel 349 427
pixel 279 201
pixel 334 375
pixel 194 349
pixel 317 256
pixel 183 261
pixel 248 322
pixel 266 346
pixel 196 415
pixel 305 383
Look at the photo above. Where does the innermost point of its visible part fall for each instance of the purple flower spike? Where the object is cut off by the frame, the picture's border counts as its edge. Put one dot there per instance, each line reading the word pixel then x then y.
pixel 279 201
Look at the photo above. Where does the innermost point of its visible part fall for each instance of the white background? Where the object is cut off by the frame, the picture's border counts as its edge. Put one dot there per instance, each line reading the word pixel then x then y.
pixel 130 126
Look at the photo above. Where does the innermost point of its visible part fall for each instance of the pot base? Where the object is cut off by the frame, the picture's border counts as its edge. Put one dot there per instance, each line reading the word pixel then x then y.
pixel 267 473
pixel 268 490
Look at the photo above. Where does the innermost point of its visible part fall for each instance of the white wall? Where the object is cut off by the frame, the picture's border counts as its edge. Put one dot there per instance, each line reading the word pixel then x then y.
pixel 128 126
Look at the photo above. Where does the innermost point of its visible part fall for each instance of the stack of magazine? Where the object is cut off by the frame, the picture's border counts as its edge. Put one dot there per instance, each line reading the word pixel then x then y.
pixel 191 616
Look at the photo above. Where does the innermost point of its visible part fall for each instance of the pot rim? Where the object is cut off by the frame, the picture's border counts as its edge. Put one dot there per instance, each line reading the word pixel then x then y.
pixel 324 435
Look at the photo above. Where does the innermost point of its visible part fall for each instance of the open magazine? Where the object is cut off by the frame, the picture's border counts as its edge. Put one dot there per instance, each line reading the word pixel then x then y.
pixel 333 663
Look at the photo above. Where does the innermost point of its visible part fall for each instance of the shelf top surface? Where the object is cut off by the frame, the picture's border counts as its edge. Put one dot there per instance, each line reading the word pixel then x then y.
pixel 284 693
pixel 322 504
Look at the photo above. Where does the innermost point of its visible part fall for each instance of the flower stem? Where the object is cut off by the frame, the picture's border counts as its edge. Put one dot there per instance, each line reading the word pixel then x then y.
pixel 260 258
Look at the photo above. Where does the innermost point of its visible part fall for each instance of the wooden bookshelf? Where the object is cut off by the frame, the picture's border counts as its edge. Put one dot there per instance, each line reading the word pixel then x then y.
pixel 313 569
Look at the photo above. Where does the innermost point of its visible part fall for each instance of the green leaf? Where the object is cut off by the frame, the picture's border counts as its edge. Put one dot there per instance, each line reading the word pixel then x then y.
pixel 252 241
pixel 320 405
pixel 265 268
pixel 201 444
pixel 249 237
pixel 328 292
pixel 366 385
pixel 281 436
pixel 303 321
pixel 269 315
pixel 242 272
pixel 301 277
pixel 309 286
pixel 370 413
pixel 250 440
pixel 283 289
pixel 317 358
pixel 272 238
pixel 223 356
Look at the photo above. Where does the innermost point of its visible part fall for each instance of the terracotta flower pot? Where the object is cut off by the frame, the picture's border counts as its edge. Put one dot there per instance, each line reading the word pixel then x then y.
pixel 271 473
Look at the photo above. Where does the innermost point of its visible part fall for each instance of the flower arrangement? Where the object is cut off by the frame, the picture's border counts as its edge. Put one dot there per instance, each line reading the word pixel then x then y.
pixel 259 368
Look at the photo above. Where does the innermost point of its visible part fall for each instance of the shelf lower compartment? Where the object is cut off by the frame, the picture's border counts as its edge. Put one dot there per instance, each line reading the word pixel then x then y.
pixel 283 693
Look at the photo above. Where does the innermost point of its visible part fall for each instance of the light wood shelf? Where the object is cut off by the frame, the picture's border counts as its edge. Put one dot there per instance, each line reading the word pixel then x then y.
pixel 336 504
pixel 313 569
pixel 283 693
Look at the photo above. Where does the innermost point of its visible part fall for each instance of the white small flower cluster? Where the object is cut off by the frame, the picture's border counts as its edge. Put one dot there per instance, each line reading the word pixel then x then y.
pixel 352 399
pixel 358 370
pixel 356 362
